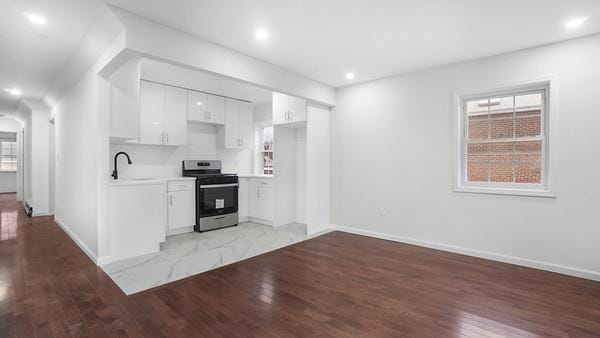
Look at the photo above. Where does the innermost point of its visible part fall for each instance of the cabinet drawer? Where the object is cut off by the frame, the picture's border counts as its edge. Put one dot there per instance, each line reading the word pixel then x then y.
pixel 181 185
pixel 264 182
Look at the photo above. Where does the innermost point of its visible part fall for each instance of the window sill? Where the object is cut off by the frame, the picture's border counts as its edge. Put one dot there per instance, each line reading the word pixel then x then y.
pixel 8 171
pixel 506 191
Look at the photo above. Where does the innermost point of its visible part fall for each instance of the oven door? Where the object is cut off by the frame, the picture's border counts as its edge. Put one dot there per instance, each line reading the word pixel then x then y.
pixel 217 199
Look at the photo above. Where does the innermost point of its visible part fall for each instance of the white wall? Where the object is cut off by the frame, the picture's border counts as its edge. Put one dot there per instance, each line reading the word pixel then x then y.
pixel 8 182
pixel 392 152
pixel 76 128
pixel 9 124
pixel 317 169
pixel 34 116
pixel 301 175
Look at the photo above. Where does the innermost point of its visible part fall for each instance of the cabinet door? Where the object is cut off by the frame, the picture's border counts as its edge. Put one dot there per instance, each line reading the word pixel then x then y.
pixel 176 116
pixel 182 209
pixel 216 109
pixel 297 108
pixel 243 205
pixel 152 116
pixel 246 126
pixel 265 203
pixel 280 108
pixel 252 198
pixel 197 106
pixel 232 124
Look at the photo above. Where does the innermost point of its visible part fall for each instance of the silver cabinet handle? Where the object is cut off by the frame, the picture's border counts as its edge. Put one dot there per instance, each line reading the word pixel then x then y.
pixel 171 199
pixel 162 136
pixel 211 186
pixel 209 116
pixel 167 138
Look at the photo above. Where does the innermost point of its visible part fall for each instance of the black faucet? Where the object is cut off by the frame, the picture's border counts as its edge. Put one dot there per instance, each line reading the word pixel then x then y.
pixel 115 173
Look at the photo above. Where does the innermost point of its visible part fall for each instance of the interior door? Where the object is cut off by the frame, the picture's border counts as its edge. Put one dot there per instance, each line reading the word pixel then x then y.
pixel 176 116
pixel 232 123
pixel 152 113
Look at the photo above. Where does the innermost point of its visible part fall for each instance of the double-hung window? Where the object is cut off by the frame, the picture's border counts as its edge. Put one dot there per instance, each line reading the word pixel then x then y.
pixel 8 156
pixel 504 141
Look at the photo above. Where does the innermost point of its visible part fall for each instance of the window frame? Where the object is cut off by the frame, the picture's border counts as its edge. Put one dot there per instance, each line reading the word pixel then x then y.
pixel 15 156
pixel 548 87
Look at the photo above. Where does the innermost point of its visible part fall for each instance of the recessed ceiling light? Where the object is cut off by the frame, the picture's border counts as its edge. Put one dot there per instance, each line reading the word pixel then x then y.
pixel 13 91
pixel 576 22
pixel 35 19
pixel 261 34
pixel 198 103
pixel 349 76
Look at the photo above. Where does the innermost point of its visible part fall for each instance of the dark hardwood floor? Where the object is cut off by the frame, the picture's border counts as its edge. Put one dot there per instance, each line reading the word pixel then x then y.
pixel 335 285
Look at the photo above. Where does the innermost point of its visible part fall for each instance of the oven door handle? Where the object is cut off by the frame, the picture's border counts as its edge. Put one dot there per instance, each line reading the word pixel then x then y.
pixel 210 186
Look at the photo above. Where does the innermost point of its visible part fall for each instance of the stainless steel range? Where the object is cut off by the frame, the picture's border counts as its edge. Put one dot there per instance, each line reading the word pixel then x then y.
pixel 216 195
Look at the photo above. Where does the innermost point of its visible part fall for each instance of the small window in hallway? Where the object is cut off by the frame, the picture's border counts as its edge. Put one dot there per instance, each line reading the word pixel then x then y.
pixel 8 156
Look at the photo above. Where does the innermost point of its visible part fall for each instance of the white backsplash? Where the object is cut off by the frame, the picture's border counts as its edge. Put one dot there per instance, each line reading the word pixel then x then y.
pixel 165 161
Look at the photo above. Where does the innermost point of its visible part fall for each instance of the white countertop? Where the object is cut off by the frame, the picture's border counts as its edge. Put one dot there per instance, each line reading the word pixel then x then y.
pixel 254 176
pixel 145 181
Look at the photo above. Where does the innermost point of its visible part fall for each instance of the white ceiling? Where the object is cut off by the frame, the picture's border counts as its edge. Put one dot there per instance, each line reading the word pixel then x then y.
pixel 324 39
pixel 31 56
pixel 321 39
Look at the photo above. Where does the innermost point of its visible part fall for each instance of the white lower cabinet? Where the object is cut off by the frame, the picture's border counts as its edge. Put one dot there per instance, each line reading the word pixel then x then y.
pixel 181 201
pixel 260 200
pixel 265 203
pixel 243 206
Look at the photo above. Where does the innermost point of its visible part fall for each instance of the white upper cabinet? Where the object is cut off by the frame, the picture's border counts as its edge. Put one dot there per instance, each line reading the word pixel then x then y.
pixel 163 114
pixel 232 124
pixel 279 108
pixel 237 133
pixel 152 113
pixel 206 108
pixel 297 109
pixel 246 125
pixel 288 109
pixel 216 109
pixel 175 116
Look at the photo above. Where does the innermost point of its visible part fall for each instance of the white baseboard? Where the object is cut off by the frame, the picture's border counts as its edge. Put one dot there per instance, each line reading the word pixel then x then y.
pixel 530 263
pixel 77 241
pixel 260 221
pixel 179 231
pixel 40 214
pixel 103 260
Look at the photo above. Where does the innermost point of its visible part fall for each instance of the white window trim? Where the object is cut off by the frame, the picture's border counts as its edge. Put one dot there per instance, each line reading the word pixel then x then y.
pixel 549 151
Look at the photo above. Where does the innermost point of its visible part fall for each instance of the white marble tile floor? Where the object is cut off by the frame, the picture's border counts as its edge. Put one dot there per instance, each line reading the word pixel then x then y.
pixel 192 253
